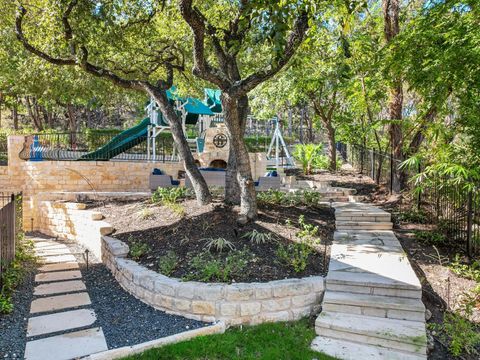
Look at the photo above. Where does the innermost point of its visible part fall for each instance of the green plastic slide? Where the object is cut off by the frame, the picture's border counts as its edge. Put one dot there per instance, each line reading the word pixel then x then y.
pixel 120 143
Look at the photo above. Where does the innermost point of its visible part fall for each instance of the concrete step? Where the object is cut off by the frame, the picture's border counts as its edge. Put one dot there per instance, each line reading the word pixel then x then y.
pixel 347 350
pixel 373 284
pixel 355 218
pixel 406 336
pixel 362 225
pixel 372 305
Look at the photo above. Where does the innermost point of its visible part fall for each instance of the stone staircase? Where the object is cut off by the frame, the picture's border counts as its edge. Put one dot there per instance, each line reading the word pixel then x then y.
pixel 372 306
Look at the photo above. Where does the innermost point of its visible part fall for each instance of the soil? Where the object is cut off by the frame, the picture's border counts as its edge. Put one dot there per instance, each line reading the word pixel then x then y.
pixel 164 230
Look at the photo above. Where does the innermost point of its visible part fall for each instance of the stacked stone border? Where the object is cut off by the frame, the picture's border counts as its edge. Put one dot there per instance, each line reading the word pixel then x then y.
pixel 234 304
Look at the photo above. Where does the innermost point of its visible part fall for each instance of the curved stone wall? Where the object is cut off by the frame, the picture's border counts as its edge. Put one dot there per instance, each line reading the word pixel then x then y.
pixel 242 303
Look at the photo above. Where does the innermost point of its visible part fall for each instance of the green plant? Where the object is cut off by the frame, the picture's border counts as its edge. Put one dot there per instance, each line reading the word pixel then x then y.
pixel 167 263
pixel 219 244
pixel 413 216
pixel 307 231
pixel 460 333
pixel 138 249
pixel 177 209
pixel 431 237
pixel 311 197
pixel 271 197
pixel 170 195
pixel 147 214
pixel 295 255
pixel 307 155
pixel 468 271
pixel 209 267
pixel 258 237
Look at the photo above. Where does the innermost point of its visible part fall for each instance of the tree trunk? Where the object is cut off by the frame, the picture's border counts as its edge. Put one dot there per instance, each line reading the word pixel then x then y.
pixel 15 115
pixel 332 149
pixel 198 182
pixel 233 113
pixel 232 187
pixel 32 109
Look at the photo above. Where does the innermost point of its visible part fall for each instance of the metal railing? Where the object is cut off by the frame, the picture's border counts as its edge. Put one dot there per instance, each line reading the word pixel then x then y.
pixel 3 151
pixel 10 225
pixel 84 146
pixel 453 206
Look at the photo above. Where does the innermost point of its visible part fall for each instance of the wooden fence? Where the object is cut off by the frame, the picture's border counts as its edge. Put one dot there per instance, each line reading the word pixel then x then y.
pixel 10 217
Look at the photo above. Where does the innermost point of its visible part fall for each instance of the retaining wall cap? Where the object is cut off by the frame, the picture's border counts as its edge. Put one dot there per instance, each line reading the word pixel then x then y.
pixel 116 247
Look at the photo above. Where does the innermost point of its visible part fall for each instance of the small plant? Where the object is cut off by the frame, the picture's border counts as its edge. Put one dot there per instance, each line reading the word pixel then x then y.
pixel 147 214
pixel 459 333
pixel 169 195
pixel 138 249
pixel 208 267
pixel 167 263
pixel 307 155
pixel 295 255
pixel 258 237
pixel 431 237
pixel 413 216
pixel 467 271
pixel 311 198
pixel 219 244
pixel 271 197
pixel 177 209
pixel 307 231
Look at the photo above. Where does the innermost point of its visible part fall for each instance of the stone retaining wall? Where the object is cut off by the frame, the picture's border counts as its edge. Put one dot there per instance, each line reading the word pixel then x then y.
pixel 73 222
pixel 242 303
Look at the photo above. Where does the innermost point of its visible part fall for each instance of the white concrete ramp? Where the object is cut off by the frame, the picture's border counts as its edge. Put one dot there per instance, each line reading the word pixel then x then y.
pixel 61 325
pixel 372 306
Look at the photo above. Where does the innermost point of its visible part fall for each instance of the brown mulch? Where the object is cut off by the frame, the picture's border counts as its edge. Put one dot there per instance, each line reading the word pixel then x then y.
pixel 186 235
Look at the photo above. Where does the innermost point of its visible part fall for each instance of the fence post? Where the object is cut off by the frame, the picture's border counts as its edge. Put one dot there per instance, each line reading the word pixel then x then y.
pixel 469 223
pixel 391 172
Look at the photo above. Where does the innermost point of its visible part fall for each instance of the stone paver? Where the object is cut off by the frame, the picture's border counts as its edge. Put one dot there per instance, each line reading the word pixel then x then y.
pixel 59 287
pixel 58 275
pixel 52 259
pixel 67 346
pixel 46 324
pixel 59 302
pixel 59 266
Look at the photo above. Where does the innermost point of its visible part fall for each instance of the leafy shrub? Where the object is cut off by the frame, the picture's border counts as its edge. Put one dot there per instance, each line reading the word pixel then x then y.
pixel 208 267
pixel 307 231
pixel 258 237
pixel 295 255
pixel 413 216
pixel 167 263
pixel 460 333
pixel 169 195
pixel 431 237
pixel 307 155
pixel 219 244
pixel 138 249
pixel 467 271
pixel 271 197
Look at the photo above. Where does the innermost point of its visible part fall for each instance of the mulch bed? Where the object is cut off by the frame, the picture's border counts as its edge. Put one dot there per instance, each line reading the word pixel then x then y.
pixel 186 235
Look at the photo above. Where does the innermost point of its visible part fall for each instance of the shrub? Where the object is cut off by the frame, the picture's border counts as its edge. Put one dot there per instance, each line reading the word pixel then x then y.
pixel 307 155
pixel 460 333
pixel 219 244
pixel 208 267
pixel 413 216
pixel 307 231
pixel 431 237
pixel 169 195
pixel 167 263
pixel 468 271
pixel 138 249
pixel 295 255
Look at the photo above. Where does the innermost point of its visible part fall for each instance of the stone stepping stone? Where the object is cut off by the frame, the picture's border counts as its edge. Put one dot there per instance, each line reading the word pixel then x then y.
pixel 68 320
pixel 50 247
pixel 67 346
pixel 52 259
pixel 59 267
pixel 48 252
pixel 59 287
pixel 58 276
pixel 59 302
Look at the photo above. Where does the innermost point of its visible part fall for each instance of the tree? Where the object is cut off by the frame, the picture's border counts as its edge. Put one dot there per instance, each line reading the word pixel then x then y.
pixel 93 35
pixel 238 29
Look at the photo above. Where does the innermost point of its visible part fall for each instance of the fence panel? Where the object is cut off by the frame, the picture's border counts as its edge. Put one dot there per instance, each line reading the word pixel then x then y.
pixel 10 225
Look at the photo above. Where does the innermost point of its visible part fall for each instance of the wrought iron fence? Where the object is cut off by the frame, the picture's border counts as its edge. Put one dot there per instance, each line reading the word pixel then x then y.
pixel 453 206
pixel 10 226
pixel 3 151
pixel 93 146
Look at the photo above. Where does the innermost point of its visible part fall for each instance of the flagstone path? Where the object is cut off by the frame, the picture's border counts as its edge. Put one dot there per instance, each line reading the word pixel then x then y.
pixel 372 307
pixel 61 322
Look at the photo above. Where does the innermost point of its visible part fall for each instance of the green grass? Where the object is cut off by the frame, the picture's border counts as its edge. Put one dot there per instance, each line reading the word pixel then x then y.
pixel 288 340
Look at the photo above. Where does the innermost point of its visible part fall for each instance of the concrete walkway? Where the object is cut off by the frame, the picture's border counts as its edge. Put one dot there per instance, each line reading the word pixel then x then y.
pixel 61 324
pixel 372 307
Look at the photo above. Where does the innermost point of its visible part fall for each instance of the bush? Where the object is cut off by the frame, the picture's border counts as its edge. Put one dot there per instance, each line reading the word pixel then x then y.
pixel 413 216
pixel 467 271
pixel 138 249
pixel 308 155
pixel 460 333
pixel 168 263
pixel 431 237
pixel 208 267
pixel 171 195
pixel 295 255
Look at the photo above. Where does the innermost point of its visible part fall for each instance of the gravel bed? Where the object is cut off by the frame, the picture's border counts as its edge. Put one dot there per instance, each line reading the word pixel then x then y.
pixel 13 327
pixel 124 319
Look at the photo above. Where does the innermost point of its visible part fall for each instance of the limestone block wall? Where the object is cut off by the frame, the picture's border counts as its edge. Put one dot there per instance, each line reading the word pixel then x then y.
pixel 242 303
pixel 73 222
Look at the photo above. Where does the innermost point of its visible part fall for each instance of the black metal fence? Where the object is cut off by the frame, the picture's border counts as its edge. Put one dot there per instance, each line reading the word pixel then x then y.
pixel 10 225
pixel 453 206
pixel 3 150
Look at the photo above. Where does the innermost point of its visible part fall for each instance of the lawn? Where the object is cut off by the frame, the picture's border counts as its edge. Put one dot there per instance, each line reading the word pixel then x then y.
pixel 288 340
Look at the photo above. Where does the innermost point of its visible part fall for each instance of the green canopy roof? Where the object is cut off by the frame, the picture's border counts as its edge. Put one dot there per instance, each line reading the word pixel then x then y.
pixel 213 100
